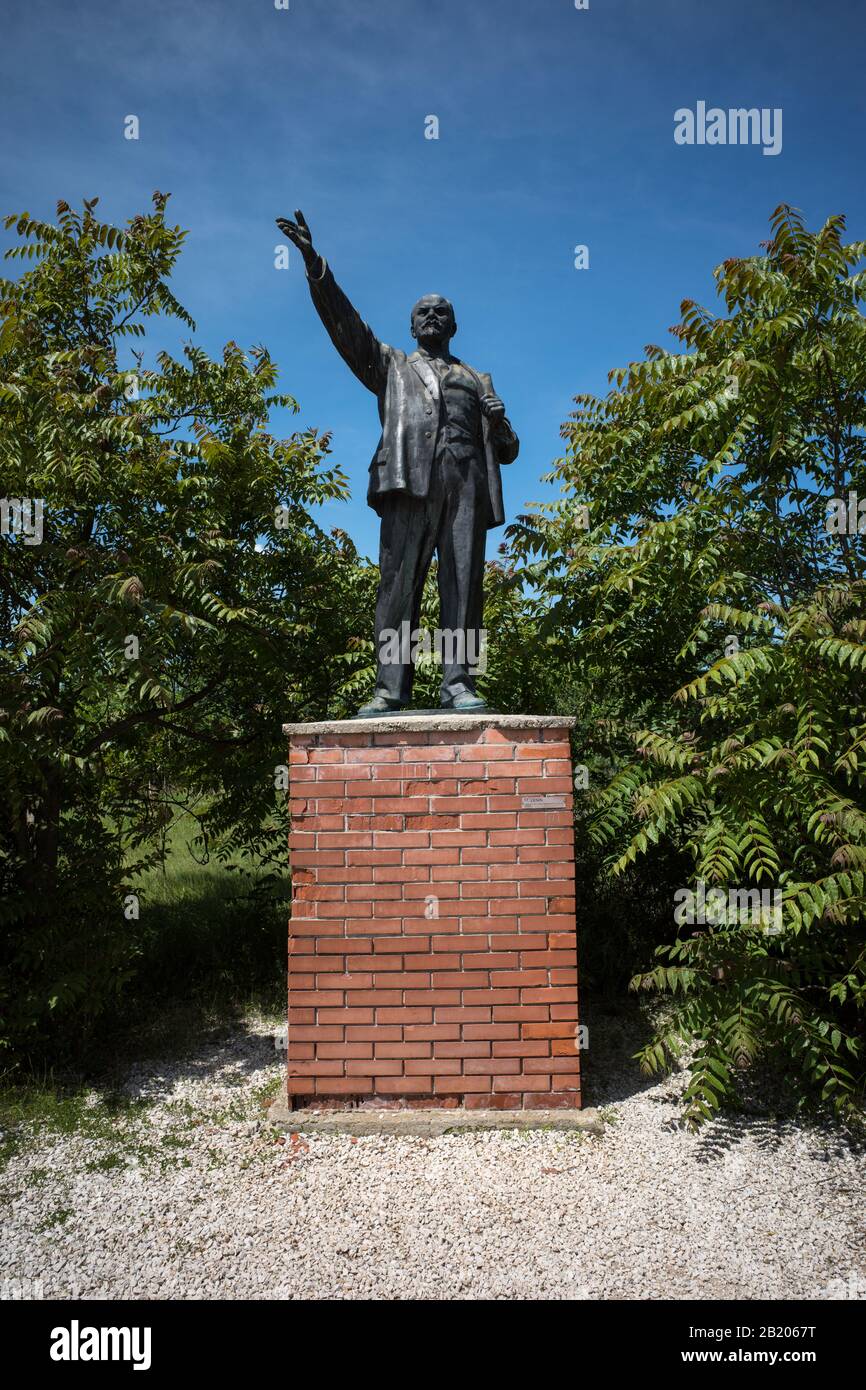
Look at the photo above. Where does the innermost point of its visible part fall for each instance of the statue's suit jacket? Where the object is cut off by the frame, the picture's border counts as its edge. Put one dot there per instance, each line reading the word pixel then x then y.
pixel 407 390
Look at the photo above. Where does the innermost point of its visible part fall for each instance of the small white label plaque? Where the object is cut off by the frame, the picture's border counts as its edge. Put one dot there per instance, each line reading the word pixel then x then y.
pixel 548 802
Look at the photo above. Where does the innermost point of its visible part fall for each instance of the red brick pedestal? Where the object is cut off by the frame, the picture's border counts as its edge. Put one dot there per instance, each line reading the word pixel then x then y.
pixel 432 951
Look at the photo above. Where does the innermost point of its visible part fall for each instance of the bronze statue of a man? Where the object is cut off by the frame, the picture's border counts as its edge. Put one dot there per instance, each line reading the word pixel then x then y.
pixel 434 479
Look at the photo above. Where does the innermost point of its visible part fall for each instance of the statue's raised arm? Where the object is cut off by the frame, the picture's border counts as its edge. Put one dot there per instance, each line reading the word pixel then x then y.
pixel 354 339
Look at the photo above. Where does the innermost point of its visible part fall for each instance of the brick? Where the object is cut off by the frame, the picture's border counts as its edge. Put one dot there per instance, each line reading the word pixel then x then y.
pixel 519 942
pixel 297 1015
pixel 488 786
pixel 404 979
pixel 301 927
pixel 313 963
pixel 496 752
pixel 493 1066
pixel 436 823
pixel 459 979
pixel 354 875
pixel 438 960
pixel 517 837
pixel 401 839
pixel 379 998
pixel 521 1048
pixel 438 888
pixel 338 910
pixel 481 888
pixel 399 872
pixel 553 960
pixel 299 1086
pixel 457 1085
pixel 491 1030
pixel 510 905
pixel 372 892
pixel 313 1033
pixel 462 1049
pixel 490 960
pixel 316 998
pixel 553 1100
pixel 548 1030
pixel 461 907
pixel 460 942
pixel 519 873
pixel 376 755
pixel 434 1066
pixel 527 1083
pixel 517 979
pixel 374 962
pixel 344 1049
pixel 353 1015
pixel 491 996
pixel 466 1016
pixel 350 982
pixel 488 821
pixel 504 1101
pixel 404 1085
pixel 546 1066
pixel 434 1032
pixel 376 1033
pixel 431 856
pixel 305 859
pixel 405 1015
pixel 317 1068
pixel 411 945
pixel 379 1066
pixel 560 835
pixel 551 923
pixel 432 996
pixel 376 857
pixel 344 1086
pixel 545 854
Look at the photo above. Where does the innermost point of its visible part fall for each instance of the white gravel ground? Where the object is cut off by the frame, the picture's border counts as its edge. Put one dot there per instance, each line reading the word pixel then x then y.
pixel 194 1196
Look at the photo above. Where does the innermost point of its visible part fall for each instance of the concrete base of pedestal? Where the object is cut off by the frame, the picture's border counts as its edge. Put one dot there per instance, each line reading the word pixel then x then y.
pixel 432 1122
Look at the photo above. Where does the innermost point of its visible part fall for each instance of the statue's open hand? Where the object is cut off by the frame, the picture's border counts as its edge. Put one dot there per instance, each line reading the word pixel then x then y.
pixel 493 408
pixel 299 235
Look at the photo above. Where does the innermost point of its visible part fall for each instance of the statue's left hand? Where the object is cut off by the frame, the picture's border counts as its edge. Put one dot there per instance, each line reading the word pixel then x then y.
pixel 493 408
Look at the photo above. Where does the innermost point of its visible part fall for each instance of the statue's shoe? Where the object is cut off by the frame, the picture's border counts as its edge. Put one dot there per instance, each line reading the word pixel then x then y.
pixel 467 704
pixel 377 707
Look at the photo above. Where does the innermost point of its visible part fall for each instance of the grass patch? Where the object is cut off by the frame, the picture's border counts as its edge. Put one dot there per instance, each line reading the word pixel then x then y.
pixel 56 1218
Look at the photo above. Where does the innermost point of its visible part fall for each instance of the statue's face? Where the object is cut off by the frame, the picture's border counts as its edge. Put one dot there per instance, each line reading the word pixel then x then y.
pixel 433 320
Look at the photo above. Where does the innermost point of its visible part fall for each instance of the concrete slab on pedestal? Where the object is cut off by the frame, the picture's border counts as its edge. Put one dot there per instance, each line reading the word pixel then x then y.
pixel 432 721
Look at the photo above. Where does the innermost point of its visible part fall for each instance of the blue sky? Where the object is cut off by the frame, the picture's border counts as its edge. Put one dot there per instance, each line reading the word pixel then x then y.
pixel 555 129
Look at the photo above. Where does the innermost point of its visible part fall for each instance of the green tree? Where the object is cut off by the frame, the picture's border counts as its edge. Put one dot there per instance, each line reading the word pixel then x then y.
pixel 696 572
pixel 180 604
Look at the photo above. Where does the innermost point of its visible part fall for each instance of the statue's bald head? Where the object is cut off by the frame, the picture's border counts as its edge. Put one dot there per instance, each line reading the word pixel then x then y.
pixel 433 320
